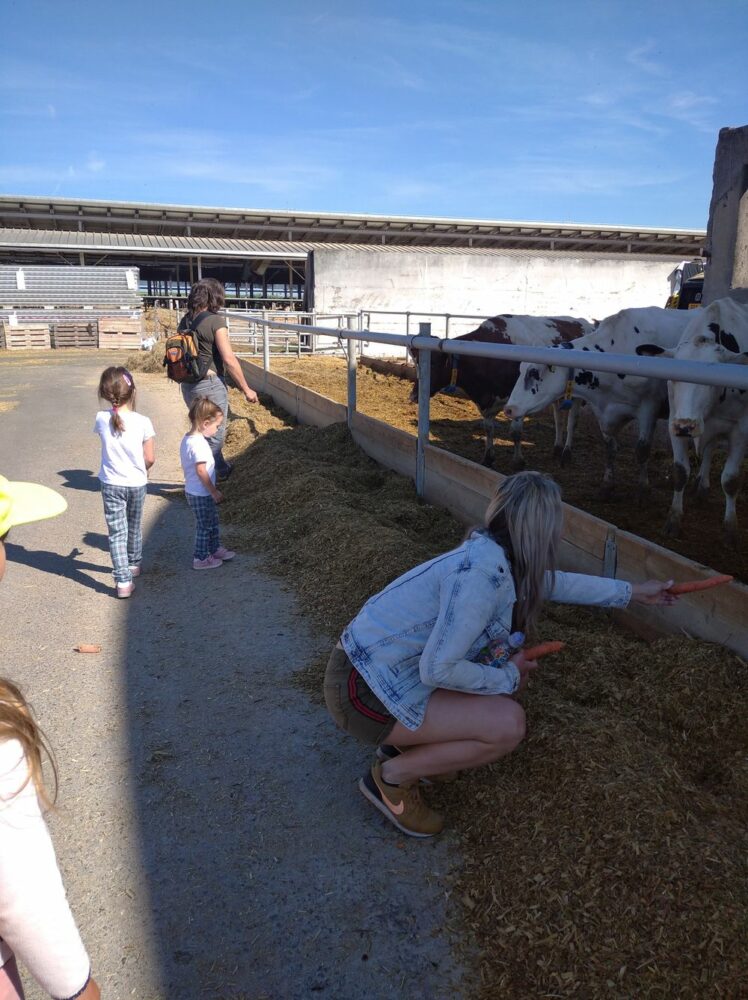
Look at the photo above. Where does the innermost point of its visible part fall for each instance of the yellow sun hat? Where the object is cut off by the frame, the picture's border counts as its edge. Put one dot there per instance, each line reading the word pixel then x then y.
pixel 24 502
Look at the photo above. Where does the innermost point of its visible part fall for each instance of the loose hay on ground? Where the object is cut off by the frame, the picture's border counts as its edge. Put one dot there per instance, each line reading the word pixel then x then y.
pixel 605 858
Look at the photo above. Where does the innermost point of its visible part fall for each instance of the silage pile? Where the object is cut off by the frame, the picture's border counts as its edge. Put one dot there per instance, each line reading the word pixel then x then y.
pixel 606 857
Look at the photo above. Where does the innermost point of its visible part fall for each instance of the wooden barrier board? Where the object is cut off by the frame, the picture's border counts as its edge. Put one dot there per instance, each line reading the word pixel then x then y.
pixel 590 545
pixel 75 335
pixel 119 333
pixel 31 337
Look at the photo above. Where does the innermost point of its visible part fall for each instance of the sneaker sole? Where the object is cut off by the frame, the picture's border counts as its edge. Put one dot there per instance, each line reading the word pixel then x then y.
pixel 377 802
pixel 198 568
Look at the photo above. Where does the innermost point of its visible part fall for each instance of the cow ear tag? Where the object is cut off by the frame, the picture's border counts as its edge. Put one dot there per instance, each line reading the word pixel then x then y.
pixel 568 395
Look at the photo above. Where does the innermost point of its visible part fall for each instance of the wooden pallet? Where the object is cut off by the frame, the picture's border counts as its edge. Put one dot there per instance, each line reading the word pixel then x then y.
pixel 31 337
pixel 75 335
pixel 120 333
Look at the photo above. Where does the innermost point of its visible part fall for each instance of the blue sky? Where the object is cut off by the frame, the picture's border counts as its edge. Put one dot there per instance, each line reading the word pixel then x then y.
pixel 604 112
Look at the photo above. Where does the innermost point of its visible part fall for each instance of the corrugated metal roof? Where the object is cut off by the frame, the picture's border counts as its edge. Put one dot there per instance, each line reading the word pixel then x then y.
pixel 335 227
pixel 185 246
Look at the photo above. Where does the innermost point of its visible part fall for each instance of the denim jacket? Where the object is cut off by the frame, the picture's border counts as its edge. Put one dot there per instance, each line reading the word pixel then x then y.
pixel 425 630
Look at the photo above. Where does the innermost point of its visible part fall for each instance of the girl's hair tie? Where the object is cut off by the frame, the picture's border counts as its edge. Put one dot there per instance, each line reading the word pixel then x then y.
pixel 127 377
pixel 115 407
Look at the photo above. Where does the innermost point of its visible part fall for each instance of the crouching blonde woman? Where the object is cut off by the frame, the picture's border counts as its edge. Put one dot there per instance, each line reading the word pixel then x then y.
pixel 406 674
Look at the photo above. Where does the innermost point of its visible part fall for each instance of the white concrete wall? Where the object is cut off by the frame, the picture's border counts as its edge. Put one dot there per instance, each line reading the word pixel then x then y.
pixel 459 281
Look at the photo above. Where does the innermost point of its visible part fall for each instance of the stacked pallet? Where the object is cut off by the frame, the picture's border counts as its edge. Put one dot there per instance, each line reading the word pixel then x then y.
pixel 120 333
pixel 30 337
pixel 75 335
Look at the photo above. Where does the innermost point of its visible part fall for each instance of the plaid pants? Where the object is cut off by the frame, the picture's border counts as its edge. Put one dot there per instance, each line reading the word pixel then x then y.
pixel 207 538
pixel 123 510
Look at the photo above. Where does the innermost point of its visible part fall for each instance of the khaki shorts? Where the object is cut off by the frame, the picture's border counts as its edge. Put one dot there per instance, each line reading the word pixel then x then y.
pixel 352 703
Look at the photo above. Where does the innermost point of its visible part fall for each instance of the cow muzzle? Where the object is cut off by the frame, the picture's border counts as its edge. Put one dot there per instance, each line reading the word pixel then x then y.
pixel 686 428
pixel 512 412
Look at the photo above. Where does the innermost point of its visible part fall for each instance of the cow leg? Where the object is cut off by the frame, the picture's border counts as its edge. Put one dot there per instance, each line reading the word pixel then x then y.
pixel 488 453
pixel 681 472
pixel 731 481
pixel 515 433
pixel 609 476
pixel 558 429
pixel 571 423
pixel 647 421
pixel 702 481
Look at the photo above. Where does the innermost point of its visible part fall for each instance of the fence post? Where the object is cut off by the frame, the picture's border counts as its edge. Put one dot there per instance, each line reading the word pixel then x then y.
pixel 351 374
pixel 446 327
pixel 424 399
pixel 265 343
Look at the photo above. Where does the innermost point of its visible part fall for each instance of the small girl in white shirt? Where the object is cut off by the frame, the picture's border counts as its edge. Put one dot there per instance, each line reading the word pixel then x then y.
pixel 200 488
pixel 127 452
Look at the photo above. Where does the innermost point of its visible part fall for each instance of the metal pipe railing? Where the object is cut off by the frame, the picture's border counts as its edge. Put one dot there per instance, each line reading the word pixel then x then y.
pixel 722 375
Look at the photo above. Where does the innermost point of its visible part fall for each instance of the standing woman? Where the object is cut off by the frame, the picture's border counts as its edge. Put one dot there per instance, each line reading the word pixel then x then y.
pixel 215 357
pixel 410 673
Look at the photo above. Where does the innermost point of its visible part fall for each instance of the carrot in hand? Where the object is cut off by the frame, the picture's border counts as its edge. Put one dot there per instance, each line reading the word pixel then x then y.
pixel 692 585
pixel 543 649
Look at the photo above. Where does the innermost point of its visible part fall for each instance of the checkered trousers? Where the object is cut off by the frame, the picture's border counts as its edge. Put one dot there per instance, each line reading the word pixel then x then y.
pixel 123 511
pixel 207 538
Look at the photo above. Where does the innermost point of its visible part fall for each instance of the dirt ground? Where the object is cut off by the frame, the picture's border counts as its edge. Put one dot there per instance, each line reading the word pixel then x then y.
pixel 456 426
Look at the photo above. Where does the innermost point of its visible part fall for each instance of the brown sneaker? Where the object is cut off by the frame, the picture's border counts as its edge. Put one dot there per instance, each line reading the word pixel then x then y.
pixel 401 804
pixel 386 751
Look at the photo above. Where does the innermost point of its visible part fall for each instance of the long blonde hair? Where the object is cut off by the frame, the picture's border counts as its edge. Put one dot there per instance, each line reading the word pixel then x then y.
pixel 525 517
pixel 17 722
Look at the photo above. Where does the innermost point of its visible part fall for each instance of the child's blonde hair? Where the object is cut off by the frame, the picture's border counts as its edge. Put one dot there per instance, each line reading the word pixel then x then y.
pixel 117 387
pixel 201 410
pixel 17 722
pixel 525 517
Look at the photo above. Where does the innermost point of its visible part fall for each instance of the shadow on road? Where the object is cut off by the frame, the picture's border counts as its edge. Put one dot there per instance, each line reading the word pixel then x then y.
pixel 59 565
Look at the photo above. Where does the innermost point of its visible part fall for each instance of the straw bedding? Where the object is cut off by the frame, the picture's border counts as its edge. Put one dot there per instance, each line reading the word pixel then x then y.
pixel 607 856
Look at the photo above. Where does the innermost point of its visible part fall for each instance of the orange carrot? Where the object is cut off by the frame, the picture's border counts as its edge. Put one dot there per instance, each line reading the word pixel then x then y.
pixel 692 585
pixel 84 647
pixel 543 649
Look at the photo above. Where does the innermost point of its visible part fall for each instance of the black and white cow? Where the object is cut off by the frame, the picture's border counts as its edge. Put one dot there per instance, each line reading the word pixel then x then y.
pixel 488 381
pixel 706 414
pixel 615 399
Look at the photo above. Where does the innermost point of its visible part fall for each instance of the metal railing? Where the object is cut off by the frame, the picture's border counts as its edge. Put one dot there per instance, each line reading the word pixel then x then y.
pixel 722 375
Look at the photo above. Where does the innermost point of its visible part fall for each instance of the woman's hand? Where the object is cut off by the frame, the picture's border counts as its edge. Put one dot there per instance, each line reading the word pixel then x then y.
pixel 250 395
pixel 525 668
pixel 653 592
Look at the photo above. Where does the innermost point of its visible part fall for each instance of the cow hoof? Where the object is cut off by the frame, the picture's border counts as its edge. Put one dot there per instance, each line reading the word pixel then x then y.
pixel 731 536
pixel 558 452
pixel 672 527
pixel 518 464
pixel 565 457
pixel 701 495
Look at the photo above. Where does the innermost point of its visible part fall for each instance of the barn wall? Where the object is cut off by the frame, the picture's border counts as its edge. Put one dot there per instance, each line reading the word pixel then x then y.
pixel 485 283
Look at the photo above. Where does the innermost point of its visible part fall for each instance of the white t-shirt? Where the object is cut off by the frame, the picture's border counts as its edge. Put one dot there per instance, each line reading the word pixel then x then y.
pixel 194 449
pixel 122 461
pixel 35 919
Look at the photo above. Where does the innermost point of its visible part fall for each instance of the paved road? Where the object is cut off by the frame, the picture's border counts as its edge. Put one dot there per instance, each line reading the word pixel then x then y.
pixel 210 834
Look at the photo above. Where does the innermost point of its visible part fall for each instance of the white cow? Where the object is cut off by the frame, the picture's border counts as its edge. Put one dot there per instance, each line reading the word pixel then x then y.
pixel 615 399
pixel 705 414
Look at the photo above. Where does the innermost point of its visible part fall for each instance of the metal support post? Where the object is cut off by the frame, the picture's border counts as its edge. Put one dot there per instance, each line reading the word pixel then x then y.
pixel 351 373
pixel 265 343
pixel 424 399
pixel 446 326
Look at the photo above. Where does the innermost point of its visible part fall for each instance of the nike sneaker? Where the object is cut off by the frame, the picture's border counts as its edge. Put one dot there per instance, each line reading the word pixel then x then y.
pixel 401 804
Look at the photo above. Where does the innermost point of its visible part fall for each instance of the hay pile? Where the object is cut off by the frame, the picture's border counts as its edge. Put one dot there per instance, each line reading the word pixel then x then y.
pixel 606 857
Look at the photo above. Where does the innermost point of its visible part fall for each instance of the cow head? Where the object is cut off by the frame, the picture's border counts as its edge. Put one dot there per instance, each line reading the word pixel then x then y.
pixel 537 387
pixel 441 372
pixel 705 340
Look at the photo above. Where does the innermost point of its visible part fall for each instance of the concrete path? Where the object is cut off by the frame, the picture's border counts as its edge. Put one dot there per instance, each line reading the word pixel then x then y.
pixel 210 833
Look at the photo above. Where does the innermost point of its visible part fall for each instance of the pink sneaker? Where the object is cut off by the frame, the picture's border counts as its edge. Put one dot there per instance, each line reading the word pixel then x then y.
pixel 125 589
pixel 223 554
pixel 135 571
pixel 210 563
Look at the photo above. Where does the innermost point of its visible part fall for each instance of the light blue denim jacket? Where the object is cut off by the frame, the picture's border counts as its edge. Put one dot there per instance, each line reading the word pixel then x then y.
pixel 426 629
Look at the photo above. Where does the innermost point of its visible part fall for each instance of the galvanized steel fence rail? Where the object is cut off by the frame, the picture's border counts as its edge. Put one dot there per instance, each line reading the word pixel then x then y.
pixel 723 375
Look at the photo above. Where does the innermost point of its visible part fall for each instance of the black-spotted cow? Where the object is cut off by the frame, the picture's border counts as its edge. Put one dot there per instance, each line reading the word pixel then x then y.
pixel 488 381
pixel 705 414
pixel 615 399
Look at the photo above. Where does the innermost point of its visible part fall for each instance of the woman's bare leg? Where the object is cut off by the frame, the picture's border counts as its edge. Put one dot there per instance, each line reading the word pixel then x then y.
pixel 459 731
